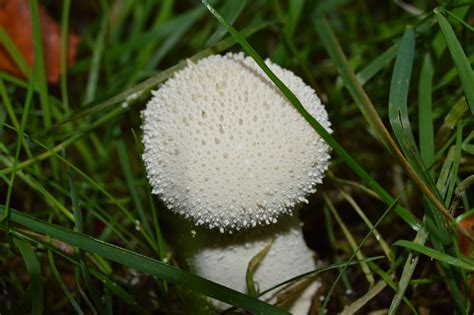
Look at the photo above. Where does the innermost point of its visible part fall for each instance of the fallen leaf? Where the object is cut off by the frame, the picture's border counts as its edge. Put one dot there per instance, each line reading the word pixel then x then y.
pixel 15 18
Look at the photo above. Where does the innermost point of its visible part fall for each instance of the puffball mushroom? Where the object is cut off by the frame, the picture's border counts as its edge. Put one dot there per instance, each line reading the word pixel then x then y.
pixel 224 148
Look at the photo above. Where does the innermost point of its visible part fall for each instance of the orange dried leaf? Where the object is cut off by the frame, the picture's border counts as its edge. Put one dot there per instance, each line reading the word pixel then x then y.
pixel 464 242
pixel 15 18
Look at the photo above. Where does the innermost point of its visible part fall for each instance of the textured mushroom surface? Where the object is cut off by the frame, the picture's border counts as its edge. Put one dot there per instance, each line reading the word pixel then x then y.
pixel 223 147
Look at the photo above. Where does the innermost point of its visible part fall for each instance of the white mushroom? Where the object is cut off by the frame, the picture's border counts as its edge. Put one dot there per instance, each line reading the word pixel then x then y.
pixel 223 147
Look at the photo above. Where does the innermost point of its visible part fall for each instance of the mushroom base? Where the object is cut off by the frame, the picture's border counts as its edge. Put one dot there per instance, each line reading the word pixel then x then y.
pixel 224 258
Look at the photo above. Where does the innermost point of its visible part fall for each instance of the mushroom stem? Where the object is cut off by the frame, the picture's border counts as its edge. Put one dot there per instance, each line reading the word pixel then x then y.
pixel 224 258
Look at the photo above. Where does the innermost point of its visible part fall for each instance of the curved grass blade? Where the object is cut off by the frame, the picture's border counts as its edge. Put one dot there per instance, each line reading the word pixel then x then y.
pixel 459 57
pixel 145 264
pixel 34 272
pixel 404 214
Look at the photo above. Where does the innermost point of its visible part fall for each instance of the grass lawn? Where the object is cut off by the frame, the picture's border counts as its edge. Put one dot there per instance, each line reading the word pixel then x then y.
pixel 81 232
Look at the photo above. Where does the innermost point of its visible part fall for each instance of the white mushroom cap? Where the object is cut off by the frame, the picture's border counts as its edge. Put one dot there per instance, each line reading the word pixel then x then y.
pixel 223 147
pixel 224 258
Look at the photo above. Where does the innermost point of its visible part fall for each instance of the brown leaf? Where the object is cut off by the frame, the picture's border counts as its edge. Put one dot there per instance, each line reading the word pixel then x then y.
pixel 15 18
pixel 464 242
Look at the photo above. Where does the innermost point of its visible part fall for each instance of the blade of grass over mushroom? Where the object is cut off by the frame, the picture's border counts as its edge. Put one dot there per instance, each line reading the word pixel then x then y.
pixel 231 11
pixel 144 264
pixel 363 101
pixel 404 214
pixel 459 57
pixel 33 268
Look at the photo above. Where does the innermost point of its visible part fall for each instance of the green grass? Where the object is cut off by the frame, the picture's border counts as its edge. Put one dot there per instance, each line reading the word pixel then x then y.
pixel 85 233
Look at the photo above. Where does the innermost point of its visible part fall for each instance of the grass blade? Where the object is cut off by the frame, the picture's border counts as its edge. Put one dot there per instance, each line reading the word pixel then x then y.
pixel 34 272
pixel 98 50
pixel 64 53
pixel 398 107
pixel 145 264
pixel 464 263
pixel 459 57
pixel 425 112
pixel 40 74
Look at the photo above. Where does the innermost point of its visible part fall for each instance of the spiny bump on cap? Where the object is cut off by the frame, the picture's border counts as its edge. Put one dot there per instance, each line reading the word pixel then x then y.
pixel 224 148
